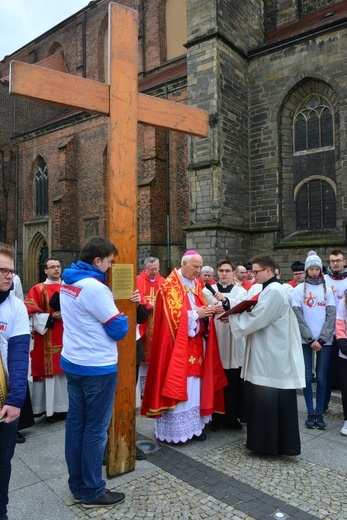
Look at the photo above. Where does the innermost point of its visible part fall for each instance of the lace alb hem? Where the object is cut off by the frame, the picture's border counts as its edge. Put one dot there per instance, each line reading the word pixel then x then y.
pixel 180 426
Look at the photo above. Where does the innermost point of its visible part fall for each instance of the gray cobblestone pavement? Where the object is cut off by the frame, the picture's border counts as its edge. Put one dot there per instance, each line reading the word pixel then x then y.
pixel 218 478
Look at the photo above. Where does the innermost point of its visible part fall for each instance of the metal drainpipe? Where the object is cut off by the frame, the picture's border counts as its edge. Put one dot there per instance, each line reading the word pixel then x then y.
pixel 167 174
pixel 143 23
pixel 16 202
pixel 84 40
pixel 16 208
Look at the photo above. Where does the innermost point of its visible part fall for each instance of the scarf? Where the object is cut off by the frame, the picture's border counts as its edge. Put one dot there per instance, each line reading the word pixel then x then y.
pixel 314 281
pixel 337 275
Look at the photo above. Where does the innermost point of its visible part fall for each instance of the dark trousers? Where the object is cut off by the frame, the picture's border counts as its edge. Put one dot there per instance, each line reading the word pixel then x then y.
pixel 333 379
pixel 233 399
pixel 342 366
pixel 26 418
pixel 7 445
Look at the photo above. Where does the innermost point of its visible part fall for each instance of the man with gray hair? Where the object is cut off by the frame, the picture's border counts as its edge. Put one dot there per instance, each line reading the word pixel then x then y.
pixel 206 276
pixel 185 377
pixel 148 283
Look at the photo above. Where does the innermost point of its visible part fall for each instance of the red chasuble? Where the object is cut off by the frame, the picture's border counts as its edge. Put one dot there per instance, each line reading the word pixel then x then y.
pixel 148 291
pixel 173 353
pixel 45 356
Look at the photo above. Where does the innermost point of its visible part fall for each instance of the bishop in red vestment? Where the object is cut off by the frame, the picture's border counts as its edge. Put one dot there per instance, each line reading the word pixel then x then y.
pixel 185 377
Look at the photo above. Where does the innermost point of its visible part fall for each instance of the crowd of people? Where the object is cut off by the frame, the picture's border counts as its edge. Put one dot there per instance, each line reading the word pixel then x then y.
pixel 286 340
pixel 214 348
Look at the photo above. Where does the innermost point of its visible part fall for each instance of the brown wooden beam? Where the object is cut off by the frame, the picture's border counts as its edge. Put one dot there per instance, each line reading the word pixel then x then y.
pixel 35 82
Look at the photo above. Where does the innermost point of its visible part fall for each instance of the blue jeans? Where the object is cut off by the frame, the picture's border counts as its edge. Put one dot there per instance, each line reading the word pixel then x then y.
pixel 321 376
pixel 90 411
pixel 7 445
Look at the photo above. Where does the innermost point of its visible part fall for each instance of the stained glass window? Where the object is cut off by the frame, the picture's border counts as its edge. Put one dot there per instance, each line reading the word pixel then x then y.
pixel 316 206
pixel 41 190
pixel 313 125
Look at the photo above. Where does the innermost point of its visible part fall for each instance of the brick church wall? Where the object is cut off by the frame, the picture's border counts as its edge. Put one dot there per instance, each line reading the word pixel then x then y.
pixel 232 191
pixel 218 74
pixel 75 153
pixel 318 65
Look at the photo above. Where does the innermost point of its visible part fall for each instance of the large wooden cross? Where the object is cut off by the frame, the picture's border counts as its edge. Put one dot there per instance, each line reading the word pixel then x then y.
pixel 125 106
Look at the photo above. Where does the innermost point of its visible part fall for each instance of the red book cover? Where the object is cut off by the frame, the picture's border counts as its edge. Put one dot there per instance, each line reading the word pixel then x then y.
pixel 245 305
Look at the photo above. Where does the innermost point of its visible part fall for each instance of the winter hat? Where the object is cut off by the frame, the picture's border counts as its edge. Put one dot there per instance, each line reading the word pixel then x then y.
pixel 313 260
pixel 297 266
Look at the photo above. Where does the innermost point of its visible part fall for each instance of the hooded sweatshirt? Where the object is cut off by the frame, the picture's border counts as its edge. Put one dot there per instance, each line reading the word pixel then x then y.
pixel 92 322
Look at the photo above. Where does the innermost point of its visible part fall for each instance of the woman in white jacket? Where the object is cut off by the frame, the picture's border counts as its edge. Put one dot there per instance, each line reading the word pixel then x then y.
pixel 314 305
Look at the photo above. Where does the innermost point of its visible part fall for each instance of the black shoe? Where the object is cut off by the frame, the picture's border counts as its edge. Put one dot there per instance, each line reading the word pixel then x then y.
pixel 235 425
pixel 201 437
pixel 109 498
pixel 57 416
pixel 60 416
pixel 37 415
pixel 20 438
pixel 140 455
pixel 214 426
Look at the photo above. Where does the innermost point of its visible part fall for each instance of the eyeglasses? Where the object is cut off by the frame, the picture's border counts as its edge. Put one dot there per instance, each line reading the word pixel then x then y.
pixel 336 261
pixel 6 272
pixel 54 267
pixel 259 270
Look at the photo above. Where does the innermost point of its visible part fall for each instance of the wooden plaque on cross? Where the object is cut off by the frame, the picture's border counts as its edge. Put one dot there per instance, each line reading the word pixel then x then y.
pixel 125 107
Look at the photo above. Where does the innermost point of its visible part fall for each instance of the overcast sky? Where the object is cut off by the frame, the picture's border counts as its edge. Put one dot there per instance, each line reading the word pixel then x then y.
pixel 23 20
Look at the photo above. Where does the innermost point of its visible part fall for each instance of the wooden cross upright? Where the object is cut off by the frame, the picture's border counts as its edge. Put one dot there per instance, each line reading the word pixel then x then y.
pixel 125 106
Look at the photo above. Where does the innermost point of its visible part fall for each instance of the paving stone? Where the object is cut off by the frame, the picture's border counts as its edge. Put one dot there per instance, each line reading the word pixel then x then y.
pixel 218 479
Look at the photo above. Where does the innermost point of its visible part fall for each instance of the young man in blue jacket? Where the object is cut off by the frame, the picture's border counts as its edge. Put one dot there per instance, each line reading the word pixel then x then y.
pixel 14 359
pixel 92 325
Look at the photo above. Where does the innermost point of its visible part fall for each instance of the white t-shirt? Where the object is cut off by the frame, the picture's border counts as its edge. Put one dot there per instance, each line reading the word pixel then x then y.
pixel 86 306
pixel 314 307
pixel 14 321
pixel 338 287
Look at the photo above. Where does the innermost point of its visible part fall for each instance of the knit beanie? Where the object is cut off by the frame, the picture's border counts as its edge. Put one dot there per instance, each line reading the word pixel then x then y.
pixel 313 260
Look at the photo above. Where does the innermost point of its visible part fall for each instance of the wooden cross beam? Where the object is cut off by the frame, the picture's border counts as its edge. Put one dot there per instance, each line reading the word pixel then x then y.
pixel 125 106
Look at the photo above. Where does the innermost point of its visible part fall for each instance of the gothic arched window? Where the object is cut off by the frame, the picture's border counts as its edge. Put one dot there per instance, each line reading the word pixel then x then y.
pixel 313 125
pixel 41 190
pixel 315 205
